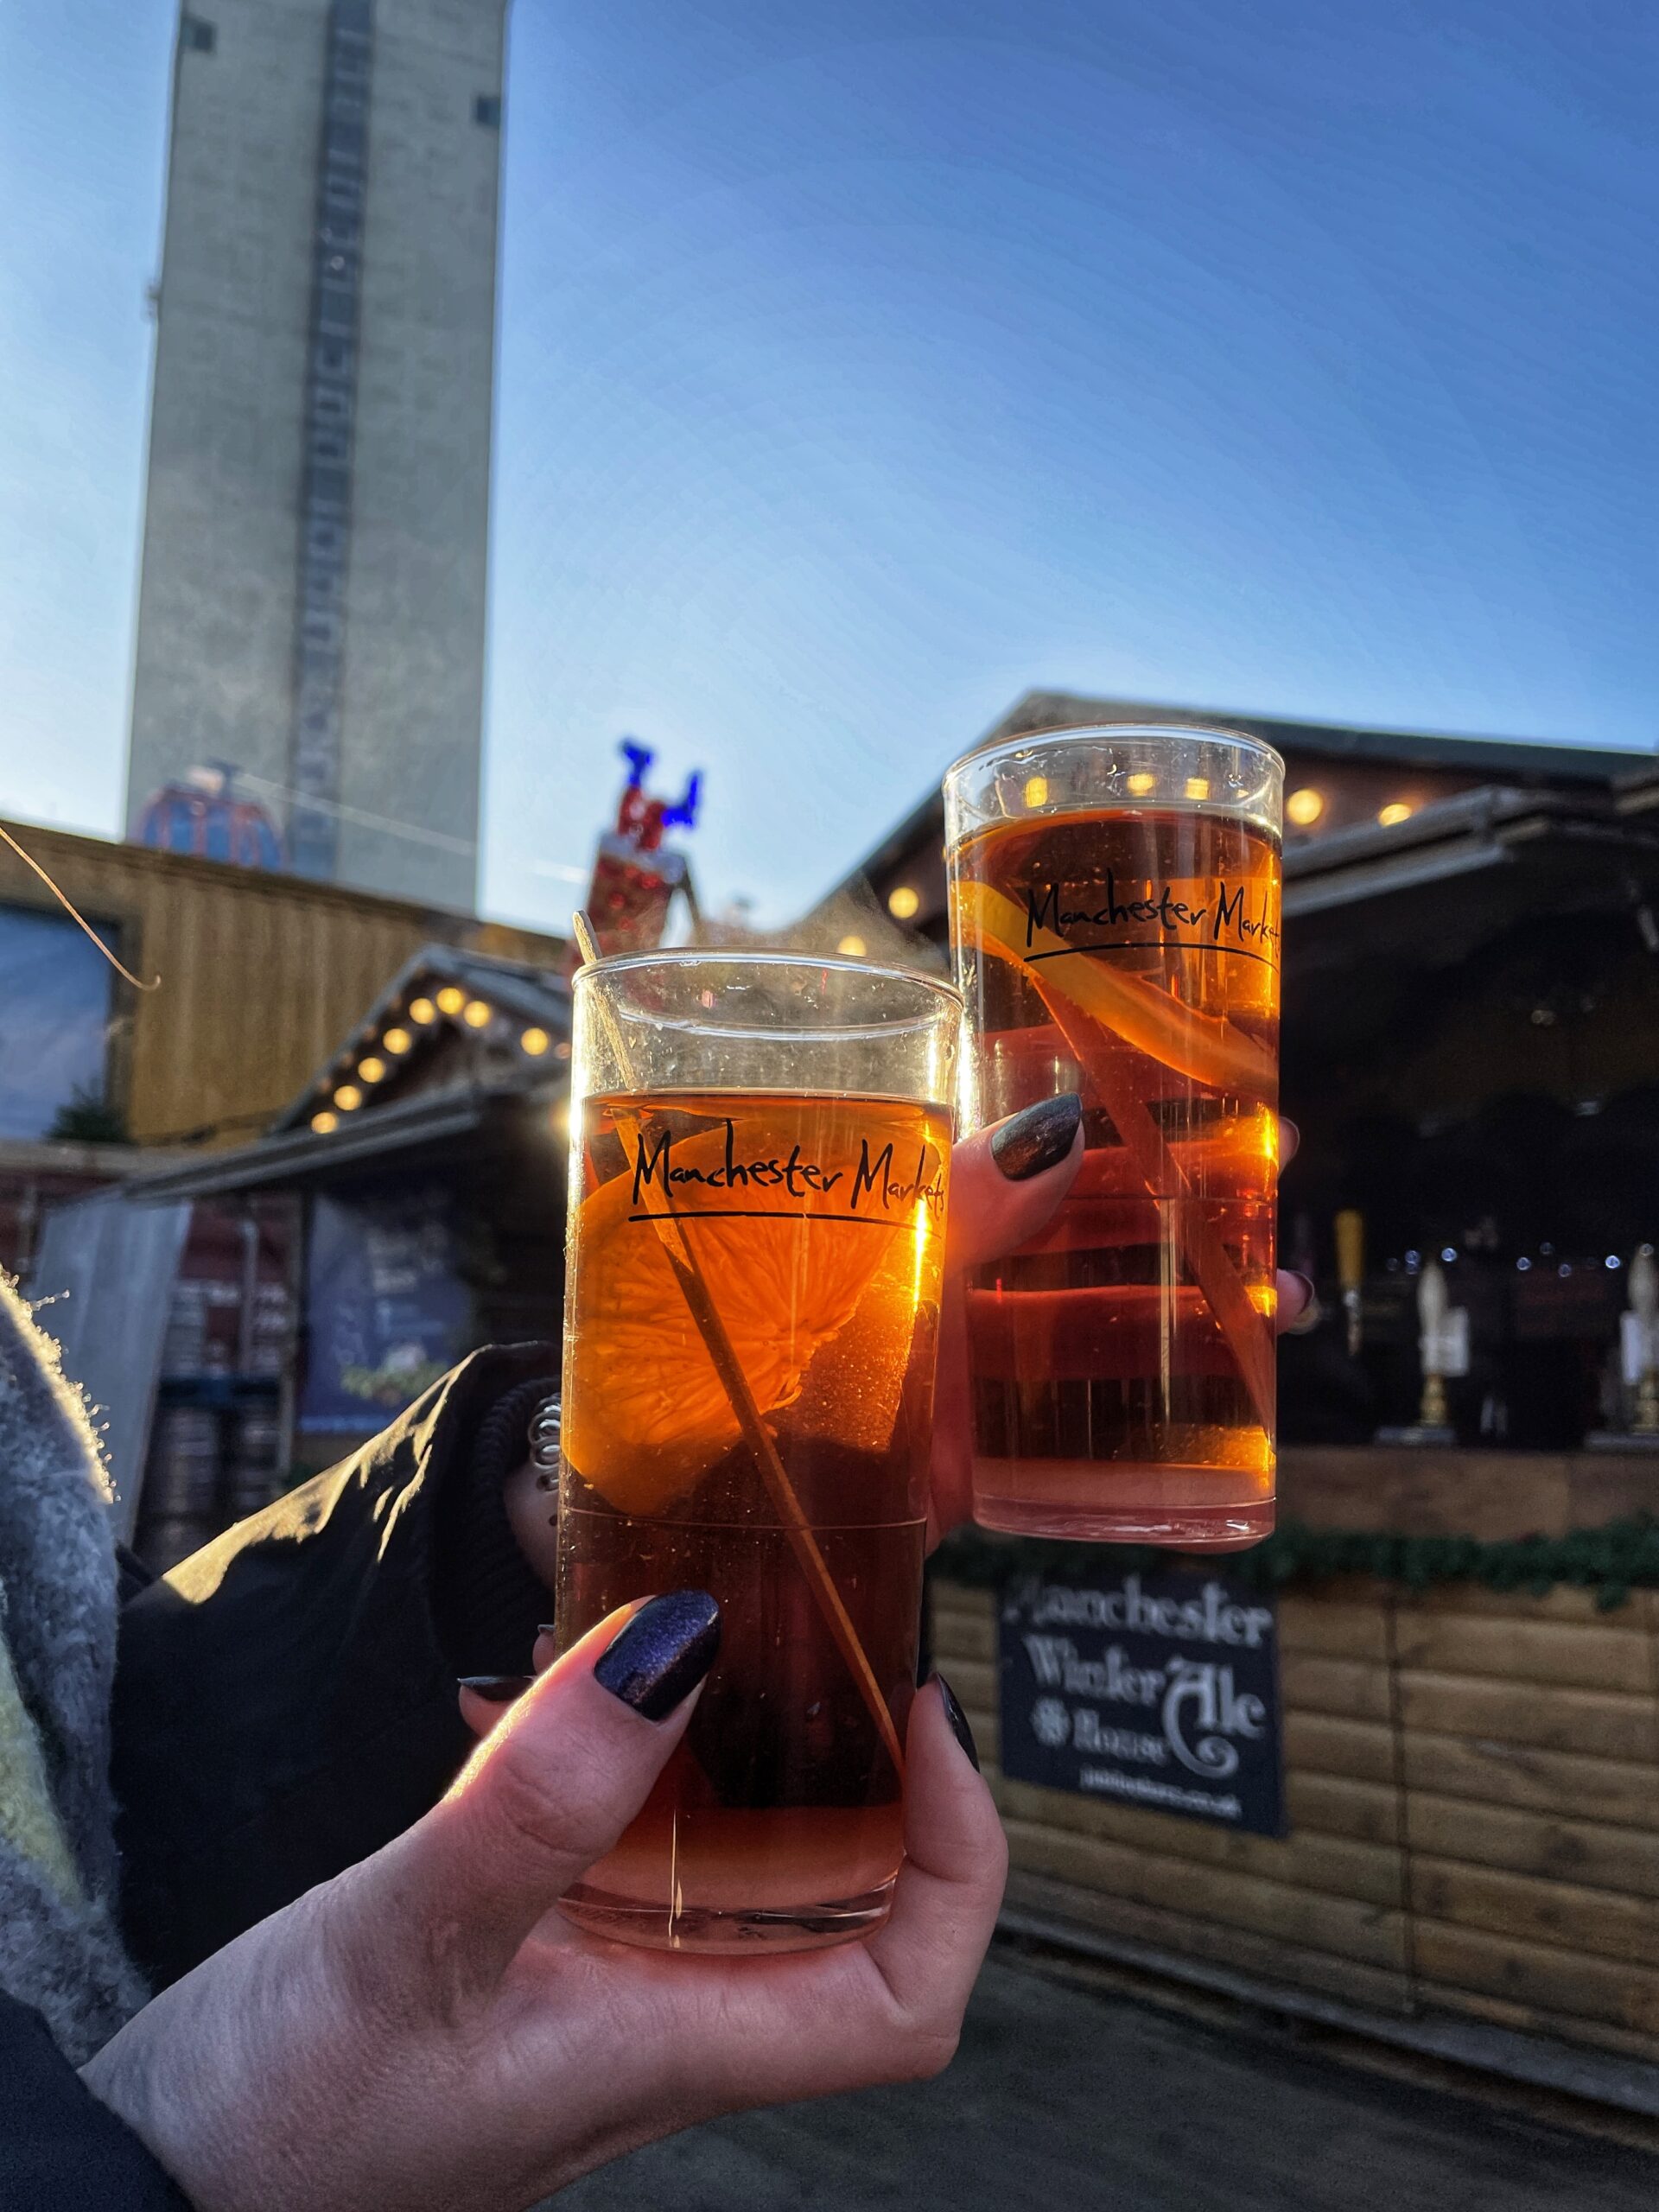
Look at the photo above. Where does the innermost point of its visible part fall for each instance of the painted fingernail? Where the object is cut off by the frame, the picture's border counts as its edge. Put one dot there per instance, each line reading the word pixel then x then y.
pixel 958 1719
pixel 1041 1137
pixel 497 1689
pixel 663 1653
pixel 545 1628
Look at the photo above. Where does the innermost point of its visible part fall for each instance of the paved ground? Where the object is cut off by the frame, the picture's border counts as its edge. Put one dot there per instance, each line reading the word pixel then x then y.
pixel 1064 2099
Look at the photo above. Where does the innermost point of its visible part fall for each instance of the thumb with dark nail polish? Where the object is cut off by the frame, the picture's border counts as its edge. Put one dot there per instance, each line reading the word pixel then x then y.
pixel 663 1653
pixel 1038 1138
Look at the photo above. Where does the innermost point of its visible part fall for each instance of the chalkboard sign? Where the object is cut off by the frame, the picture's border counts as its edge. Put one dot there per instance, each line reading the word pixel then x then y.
pixel 1157 1689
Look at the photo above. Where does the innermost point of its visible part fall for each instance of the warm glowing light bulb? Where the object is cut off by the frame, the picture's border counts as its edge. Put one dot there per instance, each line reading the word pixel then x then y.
pixel 854 948
pixel 1305 806
pixel 371 1070
pixel 1141 783
pixel 1036 790
pixel 1197 787
pixel 535 1042
pixel 396 1040
pixel 324 1122
pixel 423 1010
pixel 1397 810
pixel 450 1000
pixel 903 902
pixel 347 1096
pixel 477 1013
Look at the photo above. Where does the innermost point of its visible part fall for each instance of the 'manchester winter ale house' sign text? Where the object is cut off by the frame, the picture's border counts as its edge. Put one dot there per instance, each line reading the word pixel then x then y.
pixel 1153 1689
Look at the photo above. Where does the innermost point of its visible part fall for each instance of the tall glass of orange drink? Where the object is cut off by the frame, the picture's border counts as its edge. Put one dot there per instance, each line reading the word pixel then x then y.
pixel 759 1153
pixel 1114 899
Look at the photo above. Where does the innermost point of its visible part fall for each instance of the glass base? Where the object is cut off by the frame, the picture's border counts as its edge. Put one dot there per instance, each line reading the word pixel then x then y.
pixel 727 1933
pixel 1098 1502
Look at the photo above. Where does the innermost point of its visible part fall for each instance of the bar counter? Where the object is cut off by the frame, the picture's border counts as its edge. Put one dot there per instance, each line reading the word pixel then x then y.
pixel 1426 1490
pixel 1471 1774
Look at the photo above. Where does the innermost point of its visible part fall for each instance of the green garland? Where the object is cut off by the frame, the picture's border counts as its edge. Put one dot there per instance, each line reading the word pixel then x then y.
pixel 1613 1560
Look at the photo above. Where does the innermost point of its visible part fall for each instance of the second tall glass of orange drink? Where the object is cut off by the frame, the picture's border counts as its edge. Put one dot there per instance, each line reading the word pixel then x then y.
pixel 1115 900
pixel 759 1153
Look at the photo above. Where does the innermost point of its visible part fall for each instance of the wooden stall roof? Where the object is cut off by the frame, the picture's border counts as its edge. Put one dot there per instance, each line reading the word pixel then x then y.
pixel 262 974
pixel 1531 849
pixel 416 1132
pixel 1486 759
pixel 438 1078
pixel 1467 760
pixel 430 1007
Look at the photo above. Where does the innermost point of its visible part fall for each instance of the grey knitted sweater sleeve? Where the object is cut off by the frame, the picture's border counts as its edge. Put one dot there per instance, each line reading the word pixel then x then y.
pixel 60 1951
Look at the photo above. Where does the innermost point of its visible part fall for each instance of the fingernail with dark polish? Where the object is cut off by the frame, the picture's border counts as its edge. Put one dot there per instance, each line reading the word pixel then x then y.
pixel 497 1689
pixel 545 1628
pixel 1041 1137
pixel 663 1653
pixel 958 1719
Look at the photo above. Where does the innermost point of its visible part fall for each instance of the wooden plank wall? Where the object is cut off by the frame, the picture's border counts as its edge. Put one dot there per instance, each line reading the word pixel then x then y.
pixel 1473 1790
pixel 263 976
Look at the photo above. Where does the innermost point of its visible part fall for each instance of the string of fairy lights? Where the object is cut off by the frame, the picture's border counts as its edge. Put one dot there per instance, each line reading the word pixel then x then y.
pixel 384 1054
pixel 904 902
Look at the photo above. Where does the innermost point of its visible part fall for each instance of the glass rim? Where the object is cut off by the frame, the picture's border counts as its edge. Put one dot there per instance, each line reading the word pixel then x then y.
pixel 690 956
pixel 1060 734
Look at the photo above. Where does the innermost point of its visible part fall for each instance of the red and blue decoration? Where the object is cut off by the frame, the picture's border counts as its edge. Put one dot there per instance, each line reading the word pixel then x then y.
pixel 635 874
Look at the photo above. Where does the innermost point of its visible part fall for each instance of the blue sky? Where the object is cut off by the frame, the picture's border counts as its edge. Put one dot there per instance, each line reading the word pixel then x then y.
pixel 865 365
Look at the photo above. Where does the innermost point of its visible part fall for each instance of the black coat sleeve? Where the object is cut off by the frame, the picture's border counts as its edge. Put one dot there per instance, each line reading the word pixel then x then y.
pixel 60 2151
pixel 285 1699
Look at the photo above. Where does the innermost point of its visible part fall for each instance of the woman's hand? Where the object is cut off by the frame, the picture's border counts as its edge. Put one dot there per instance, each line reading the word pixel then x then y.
pixel 426 2034
pixel 1006 1184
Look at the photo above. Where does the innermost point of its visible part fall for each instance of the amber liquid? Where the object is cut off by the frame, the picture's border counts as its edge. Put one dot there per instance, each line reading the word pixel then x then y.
pixel 816 1226
pixel 1123 1364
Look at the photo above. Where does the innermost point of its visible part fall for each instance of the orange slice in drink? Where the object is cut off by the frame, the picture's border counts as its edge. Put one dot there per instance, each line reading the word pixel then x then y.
pixel 1203 1046
pixel 1091 1005
pixel 647 1414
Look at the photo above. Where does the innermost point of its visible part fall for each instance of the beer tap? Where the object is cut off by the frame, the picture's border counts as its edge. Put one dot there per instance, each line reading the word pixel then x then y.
pixel 1443 1351
pixel 1645 1309
pixel 1350 1270
pixel 1433 1304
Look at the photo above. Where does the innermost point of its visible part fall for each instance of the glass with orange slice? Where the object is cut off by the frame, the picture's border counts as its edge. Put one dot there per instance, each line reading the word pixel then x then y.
pixel 760 1156
pixel 1115 913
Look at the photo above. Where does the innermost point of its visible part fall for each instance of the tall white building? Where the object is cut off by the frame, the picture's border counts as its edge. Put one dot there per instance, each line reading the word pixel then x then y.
pixel 312 603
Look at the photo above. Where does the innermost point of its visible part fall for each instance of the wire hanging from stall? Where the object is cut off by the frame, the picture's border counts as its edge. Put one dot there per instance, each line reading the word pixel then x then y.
pixel 75 914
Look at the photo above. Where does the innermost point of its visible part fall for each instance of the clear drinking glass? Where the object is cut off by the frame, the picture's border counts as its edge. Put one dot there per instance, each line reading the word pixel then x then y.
pixel 760 1153
pixel 1114 900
